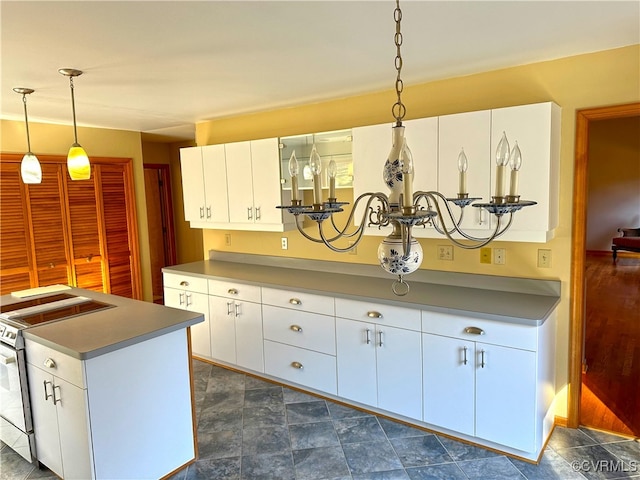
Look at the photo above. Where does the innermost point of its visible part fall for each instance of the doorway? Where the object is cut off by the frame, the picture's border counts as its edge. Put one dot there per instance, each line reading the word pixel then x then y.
pixel 580 277
pixel 162 247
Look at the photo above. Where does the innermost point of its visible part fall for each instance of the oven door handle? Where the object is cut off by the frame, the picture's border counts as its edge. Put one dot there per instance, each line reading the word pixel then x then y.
pixel 4 360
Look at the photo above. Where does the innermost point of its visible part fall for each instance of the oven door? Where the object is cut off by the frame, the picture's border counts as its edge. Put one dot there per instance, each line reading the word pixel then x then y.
pixel 16 428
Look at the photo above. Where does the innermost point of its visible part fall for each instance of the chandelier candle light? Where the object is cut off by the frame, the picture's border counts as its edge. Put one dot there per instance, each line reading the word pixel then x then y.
pixel 77 159
pixel 400 253
pixel 30 169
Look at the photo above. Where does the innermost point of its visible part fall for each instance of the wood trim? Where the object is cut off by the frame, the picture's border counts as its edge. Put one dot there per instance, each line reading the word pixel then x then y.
pixel 579 228
pixel 165 171
pixel 134 238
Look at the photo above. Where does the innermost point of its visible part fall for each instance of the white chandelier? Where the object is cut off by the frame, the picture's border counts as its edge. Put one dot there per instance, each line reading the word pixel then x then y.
pixel 400 253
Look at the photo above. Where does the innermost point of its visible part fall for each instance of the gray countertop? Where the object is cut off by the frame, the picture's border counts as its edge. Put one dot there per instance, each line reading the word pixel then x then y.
pixel 515 300
pixel 128 322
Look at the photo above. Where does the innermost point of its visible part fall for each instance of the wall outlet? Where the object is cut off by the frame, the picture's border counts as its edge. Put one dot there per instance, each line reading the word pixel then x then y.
pixel 485 255
pixel 284 242
pixel 544 258
pixel 499 256
pixel 227 239
pixel 445 252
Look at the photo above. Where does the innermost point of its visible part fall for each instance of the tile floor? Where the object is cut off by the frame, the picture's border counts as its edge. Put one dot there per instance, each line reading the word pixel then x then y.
pixel 252 429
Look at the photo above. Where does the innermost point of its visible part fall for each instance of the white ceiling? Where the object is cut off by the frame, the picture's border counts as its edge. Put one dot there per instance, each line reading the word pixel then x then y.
pixel 161 66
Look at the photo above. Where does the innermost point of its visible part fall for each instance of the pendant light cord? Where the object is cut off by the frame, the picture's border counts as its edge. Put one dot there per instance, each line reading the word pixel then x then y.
pixel 26 121
pixel 73 109
pixel 398 110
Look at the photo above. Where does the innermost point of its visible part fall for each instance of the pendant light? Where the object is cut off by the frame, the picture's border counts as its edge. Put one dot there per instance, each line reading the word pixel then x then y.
pixel 30 169
pixel 77 159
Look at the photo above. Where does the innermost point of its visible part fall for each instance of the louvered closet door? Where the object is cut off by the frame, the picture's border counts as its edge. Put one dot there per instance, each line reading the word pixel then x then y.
pixel 14 234
pixel 48 226
pixel 85 235
pixel 116 228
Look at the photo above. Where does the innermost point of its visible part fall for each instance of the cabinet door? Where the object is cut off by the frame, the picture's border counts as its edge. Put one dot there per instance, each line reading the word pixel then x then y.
pixel 371 147
pixel 398 359
pixel 356 360
pixel 239 182
pixel 506 396
pixel 45 419
pixel 223 329
pixel 200 334
pixel 471 131
pixel 533 127
pixel 214 167
pixel 265 165
pixel 249 341
pixel 449 383
pixel 192 184
pixel 75 446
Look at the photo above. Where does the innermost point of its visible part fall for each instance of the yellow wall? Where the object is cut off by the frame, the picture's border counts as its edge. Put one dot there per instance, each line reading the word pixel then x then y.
pixel 47 139
pixel 584 81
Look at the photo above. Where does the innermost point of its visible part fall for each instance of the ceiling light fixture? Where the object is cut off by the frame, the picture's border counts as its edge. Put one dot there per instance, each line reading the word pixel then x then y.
pixel 400 253
pixel 77 159
pixel 30 169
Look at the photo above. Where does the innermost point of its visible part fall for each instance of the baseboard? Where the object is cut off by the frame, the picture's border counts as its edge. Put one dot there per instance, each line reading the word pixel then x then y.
pixel 560 421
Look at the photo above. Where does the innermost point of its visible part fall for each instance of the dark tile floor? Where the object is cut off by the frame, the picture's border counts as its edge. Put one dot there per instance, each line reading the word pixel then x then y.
pixel 252 429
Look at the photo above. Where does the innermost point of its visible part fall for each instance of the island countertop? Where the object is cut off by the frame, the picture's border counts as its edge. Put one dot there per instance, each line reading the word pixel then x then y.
pixel 514 300
pixel 126 323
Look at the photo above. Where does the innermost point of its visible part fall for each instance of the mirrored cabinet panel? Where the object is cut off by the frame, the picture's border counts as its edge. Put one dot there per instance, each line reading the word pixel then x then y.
pixel 334 146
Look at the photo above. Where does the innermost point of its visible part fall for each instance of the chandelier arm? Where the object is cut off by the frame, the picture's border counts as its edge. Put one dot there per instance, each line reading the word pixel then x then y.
pixel 328 243
pixel 432 196
pixel 305 234
pixel 372 196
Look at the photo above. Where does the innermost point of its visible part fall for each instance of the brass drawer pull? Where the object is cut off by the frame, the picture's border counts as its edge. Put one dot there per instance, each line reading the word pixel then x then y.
pixel 374 314
pixel 474 330
pixel 232 291
pixel 295 301
pixel 184 283
pixel 296 328
pixel 297 365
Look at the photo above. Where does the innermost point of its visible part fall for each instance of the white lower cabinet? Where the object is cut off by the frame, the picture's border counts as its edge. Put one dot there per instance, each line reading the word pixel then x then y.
pixel 236 324
pixel 489 380
pixel 380 364
pixel 110 416
pixel 190 293
pixel 62 434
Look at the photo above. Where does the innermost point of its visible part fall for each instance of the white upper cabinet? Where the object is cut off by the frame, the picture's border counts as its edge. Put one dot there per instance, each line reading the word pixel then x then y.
pixel 234 186
pixel 204 184
pixel 470 131
pixel 536 128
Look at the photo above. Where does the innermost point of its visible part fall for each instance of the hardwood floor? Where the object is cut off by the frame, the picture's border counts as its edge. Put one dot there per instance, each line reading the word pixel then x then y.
pixel 610 398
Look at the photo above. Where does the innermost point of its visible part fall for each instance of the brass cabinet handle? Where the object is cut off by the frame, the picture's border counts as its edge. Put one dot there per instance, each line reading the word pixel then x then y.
pixel 49 363
pixel 297 365
pixel 232 291
pixel 52 265
pixel 184 283
pixel 474 330
pixel 374 314
pixel 296 328
pixel 89 257
pixel 295 301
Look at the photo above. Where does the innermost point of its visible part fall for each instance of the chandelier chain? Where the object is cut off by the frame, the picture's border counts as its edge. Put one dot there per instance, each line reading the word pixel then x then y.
pixel 398 110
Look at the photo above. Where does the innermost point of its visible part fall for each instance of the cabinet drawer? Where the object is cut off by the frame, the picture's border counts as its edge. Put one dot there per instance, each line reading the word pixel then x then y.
pixel 63 366
pixel 380 314
pixel 306 302
pixel 235 290
pixel 300 329
pixel 185 282
pixel 304 367
pixel 507 334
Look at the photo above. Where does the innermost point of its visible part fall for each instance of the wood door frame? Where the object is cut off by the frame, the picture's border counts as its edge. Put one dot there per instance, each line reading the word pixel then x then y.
pixel 578 246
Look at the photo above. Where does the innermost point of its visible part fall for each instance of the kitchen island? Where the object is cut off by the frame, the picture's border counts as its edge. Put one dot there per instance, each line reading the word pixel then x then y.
pixel 111 391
